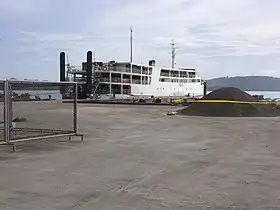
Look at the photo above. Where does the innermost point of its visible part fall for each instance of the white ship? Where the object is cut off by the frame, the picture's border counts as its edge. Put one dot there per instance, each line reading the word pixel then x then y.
pixel 141 80
pixel 128 78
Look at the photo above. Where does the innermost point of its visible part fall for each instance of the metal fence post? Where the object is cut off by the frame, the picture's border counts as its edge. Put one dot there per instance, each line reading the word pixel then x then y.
pixel 75 108
pixel 6 112
pixel 10 109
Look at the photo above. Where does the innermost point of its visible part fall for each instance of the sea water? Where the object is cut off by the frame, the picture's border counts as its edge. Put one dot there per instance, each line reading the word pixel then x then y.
pixel 266 94
pixel 43 94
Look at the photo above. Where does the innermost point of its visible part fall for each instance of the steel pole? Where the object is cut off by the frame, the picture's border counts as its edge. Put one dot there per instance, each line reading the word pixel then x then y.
pixel 75 108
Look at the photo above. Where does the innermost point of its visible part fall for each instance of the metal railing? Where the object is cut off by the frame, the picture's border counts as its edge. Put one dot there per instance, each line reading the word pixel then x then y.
pixel 35 110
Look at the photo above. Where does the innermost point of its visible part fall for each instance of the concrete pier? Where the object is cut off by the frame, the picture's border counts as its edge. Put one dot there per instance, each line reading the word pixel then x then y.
pixel 136 157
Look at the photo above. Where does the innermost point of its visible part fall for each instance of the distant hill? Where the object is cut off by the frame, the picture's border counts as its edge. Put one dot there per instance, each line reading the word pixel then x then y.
pixel 249 83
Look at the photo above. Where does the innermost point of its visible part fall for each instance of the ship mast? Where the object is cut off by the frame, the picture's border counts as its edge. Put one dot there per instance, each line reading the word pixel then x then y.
pixel 131 44
pixel 173 54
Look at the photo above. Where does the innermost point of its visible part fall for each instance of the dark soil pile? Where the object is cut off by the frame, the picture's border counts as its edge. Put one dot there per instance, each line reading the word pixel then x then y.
pixel 230 109
pixel 229 93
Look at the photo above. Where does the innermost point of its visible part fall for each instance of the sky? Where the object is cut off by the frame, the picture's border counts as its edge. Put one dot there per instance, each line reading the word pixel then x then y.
pixel 217 37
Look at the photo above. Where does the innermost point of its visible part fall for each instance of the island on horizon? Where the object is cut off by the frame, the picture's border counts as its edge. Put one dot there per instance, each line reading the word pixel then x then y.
pixel 245 83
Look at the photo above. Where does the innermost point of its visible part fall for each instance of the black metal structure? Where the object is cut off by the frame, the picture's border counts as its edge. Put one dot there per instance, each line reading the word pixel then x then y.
pixel 62 72
pixel 89 73
pixel 62 67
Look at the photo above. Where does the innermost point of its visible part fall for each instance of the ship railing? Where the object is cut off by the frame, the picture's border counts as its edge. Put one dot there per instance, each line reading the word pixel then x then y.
pixel 74 68
pixel 136 71
pixel 174 75
pixel 101 68
pixel 184 76
pixel 126 81
pixel 188 80
pixel 119 69
pixel 164 74
pixel 116 80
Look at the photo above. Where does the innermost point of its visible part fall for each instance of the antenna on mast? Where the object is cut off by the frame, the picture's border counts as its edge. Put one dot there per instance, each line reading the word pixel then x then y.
pixel 173 55
pixel 131 44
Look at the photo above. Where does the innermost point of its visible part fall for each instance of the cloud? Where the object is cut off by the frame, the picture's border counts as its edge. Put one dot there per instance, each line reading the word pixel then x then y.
pixel 218 37
pixel 22 7
pixel 215 24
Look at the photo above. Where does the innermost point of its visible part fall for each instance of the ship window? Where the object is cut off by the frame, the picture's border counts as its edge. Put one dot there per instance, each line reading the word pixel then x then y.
pixel 144 80
pixel 175 80
pixel 145 70
pixel 192 74
pixel 164 73
pixel 193 80
pixel 164 79
pixel 150 71
pixel 198 80
pixel 136 79
pixel 184 74
pixel 174 73
pixel 136 69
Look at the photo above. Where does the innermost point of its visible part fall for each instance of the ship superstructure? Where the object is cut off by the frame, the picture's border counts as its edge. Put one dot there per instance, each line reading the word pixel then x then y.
pixel 133 79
